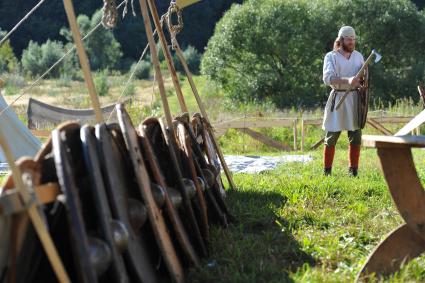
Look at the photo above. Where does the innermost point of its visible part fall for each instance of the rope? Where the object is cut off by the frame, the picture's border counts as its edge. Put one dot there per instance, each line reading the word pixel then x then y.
pixel 21 22
pixel 124 12
pixel 110 14
pixel 172 28
pixel 53 66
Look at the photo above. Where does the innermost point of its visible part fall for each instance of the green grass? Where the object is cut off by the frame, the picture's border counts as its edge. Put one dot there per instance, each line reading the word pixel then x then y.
pixel 295 225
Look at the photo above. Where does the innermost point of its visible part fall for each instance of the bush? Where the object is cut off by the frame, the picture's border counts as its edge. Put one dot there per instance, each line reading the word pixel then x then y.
pixel 142 71
pixel 130 90
pixel 270 49
pixel 36 59
pixel 103 50
pixel 101 83
pixel 193 60
pixel 8 61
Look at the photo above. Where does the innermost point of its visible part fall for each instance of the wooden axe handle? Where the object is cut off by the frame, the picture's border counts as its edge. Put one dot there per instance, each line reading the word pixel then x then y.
pixel 357 75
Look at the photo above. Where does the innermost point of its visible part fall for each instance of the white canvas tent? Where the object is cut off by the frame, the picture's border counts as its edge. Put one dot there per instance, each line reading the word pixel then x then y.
pixel 20 139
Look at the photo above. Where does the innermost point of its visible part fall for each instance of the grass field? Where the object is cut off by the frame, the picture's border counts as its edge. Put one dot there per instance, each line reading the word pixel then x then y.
pixel 293 224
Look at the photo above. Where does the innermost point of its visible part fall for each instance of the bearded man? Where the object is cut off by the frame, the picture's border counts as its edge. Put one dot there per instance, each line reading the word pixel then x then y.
pixel 339 72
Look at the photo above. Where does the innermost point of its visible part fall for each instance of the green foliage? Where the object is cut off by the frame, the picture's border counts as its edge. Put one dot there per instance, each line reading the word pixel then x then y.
pixel 130 90
pixel 193 60
pixel 275 49
pixel 101 82
pixel 142 70
pixel 103 50
pixel 8 61
pixel 36 59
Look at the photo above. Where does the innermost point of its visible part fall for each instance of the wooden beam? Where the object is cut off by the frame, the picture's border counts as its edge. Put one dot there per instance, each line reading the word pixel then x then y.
pixel 41 133
pixel 167 54
pixel 393 141
pixel 84 61
pixel 302 135
pixel 295 134
pixel 156 64
pixel 264 139
pixel 379 127
pixel 259 123
pixel 414 123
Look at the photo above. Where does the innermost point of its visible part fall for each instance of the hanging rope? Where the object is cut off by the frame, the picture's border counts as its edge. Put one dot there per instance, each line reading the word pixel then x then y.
pixel 21 22
pixel 25 90
pixel 174 29
pixel 110 14
pixel 124 12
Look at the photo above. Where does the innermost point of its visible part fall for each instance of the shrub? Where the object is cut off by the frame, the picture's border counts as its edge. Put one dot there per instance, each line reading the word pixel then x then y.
pixel 142 71
pixel 8 61
pixel 101 83
pixel 36 59
pixel 130 90
pixel 103 50
pixel 193 60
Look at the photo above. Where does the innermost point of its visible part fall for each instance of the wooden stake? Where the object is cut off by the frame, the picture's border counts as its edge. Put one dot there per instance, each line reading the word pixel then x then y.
pixel 156 64
pixel 295 134
pixel 302 135
pixel 167 54
pixel 34 214
pixel 179 93
pixel 84 62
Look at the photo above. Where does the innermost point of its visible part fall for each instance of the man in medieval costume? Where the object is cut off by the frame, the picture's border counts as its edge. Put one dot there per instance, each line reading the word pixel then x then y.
pixel 339 72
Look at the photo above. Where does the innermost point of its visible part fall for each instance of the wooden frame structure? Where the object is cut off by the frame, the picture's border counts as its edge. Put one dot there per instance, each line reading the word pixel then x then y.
pixel 408 240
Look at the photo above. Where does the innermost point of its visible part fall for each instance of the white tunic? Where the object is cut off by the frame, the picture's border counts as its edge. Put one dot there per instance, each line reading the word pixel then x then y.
pixel 336 65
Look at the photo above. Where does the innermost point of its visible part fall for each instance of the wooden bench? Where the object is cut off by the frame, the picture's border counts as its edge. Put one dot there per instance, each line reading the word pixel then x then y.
pixel 408 240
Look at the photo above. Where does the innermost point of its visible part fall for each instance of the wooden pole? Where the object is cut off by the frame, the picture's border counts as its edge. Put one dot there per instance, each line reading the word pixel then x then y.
pixel 302 134
pixel 34 214
pixel 295 134
pixel 84 62
pixel 156 64
pixel 179 93
pixel 167 54
pixel 205 115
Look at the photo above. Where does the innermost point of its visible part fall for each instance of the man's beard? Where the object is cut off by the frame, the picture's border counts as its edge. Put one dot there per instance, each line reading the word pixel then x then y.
pixel 346 48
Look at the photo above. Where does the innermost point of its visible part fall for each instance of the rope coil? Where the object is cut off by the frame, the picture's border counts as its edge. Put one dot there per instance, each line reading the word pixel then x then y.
pixel 110 14
pixel 174 29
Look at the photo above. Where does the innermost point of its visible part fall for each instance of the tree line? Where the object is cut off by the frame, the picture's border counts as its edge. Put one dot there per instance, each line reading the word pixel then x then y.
pixel 273 50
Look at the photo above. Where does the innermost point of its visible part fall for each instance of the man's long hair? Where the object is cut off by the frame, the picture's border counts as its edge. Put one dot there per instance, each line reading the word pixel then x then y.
pixel 338 43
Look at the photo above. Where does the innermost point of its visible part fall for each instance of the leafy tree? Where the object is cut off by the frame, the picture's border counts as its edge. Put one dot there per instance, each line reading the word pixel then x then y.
pixel 36 59
pixel 103 50
pixel 141 71
pixel 193 60
pixel 8 61
pixel 274 50
pixel 46 22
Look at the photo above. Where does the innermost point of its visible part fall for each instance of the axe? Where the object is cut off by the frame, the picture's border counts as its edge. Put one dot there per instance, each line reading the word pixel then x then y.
pixel 378 58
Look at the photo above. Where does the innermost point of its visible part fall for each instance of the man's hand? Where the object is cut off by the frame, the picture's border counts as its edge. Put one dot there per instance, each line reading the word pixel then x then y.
pixel 354 81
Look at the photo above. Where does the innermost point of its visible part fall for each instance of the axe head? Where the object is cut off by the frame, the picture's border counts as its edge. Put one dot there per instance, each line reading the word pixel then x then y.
pixel 378 56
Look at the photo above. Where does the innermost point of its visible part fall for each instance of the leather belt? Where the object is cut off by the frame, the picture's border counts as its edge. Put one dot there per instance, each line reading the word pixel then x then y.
pixel 334 93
